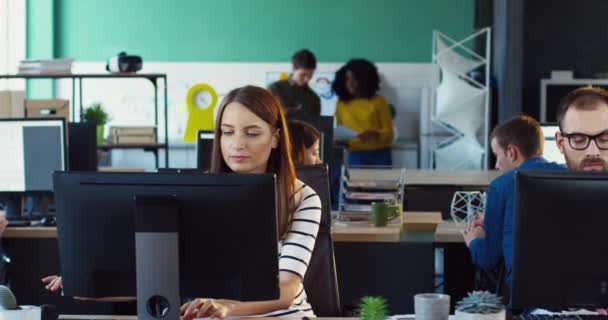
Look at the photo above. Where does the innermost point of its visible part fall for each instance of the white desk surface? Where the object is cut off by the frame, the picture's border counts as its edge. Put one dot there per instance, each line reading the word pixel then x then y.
pixel 426 177
pixel 456 178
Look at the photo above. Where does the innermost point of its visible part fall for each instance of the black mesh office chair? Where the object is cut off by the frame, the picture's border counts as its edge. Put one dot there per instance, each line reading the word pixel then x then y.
pixel 321 282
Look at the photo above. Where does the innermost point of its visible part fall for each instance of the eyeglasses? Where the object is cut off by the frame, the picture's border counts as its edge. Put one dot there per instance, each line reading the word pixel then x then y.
pixel 581 141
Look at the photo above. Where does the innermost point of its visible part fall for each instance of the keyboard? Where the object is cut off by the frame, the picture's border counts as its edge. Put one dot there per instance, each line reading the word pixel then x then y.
pixel 19 223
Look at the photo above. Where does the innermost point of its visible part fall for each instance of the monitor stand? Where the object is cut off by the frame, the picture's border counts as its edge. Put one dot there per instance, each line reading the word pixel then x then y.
pixel 157 257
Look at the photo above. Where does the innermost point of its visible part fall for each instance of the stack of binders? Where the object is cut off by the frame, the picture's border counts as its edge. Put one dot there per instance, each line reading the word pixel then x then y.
pixel 133 135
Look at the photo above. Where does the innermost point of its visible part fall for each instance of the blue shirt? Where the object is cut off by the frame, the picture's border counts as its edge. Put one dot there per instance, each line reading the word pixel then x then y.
pixel 498 220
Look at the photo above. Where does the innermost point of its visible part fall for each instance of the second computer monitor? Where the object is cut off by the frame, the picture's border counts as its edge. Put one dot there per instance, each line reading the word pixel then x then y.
pixel 560 240
pixel 204 147
pixel 82 149
pixel 228 248
pixel 551 151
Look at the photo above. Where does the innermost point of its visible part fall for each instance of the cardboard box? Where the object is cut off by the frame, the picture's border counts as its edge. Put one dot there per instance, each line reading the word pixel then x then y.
pixel 12 104
pixel 49 108
pixel 421 221
pixel 5 104
pixel 133 131
pixel 134 139
pixel 18 104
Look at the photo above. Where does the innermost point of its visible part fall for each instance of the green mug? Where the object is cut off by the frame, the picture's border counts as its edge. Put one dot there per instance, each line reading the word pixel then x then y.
pixel 383 212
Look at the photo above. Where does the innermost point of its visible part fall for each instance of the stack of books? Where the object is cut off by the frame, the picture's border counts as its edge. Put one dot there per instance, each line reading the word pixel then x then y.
pixel 133 135
pixel 46 66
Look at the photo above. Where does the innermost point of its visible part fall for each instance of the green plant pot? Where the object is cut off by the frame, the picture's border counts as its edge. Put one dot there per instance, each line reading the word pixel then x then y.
pixel 100 129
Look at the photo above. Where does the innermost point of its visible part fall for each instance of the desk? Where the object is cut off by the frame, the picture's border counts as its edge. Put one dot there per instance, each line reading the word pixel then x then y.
pixel 374 243
pixel 459 271
pixel 416 177
pixel 34 254
pixel 449 178
pixel 427 190
pixel 396 270
pixel 411 226
pixel 30 233
pixel 365 232
pixel 449 232
pixel 395 261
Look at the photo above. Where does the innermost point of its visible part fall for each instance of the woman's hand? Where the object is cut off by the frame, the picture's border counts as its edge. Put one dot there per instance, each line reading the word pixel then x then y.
pixel 3 224
pixel 203 308
pixel 53 283
pixel 368 135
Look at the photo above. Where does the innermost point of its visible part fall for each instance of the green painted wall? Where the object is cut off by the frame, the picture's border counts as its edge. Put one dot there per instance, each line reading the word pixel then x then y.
pixel 40 42
pixel 250 30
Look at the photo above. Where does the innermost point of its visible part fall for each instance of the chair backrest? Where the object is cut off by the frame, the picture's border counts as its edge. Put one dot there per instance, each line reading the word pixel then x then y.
pixel 430 198
pixel 321 282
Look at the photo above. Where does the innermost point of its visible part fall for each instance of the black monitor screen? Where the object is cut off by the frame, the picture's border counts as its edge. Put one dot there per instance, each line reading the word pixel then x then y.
pixel 204 147
pixel 560 240
pixel 555 92
pixel 228 248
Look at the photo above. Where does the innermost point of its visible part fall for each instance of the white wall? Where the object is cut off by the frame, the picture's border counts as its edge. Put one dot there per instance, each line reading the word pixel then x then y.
pixel 12 41
pixel 130 102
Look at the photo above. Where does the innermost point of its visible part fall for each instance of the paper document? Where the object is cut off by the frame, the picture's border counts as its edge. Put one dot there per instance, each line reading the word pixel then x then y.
pixel 344 133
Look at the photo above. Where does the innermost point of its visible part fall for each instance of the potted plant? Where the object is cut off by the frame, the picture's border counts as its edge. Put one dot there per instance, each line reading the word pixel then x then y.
pixel 480 305
pixel 373 308
pixel 96 113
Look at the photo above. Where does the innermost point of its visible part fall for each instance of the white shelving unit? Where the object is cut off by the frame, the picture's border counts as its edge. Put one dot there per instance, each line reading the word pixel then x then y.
pixel 460 108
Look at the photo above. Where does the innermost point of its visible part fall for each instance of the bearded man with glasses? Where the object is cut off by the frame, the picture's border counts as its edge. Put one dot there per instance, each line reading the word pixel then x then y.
pixel 583 135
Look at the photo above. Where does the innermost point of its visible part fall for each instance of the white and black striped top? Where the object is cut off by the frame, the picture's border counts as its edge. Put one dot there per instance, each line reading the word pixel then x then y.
pixel 295 249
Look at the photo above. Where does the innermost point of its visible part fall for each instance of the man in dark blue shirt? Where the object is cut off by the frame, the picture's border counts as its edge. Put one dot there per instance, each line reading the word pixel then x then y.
pixel 517 145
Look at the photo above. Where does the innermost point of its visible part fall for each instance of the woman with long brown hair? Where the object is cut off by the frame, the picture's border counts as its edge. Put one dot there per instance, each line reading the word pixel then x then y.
pixel 251 136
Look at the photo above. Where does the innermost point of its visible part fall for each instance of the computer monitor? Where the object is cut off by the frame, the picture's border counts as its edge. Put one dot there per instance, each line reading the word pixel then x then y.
pixel 560 240
pixel 551 152
pixel 553 90
pixel 325 125
pixel 204 147
pixel 227 249
pixel 82 146
pixel 32 149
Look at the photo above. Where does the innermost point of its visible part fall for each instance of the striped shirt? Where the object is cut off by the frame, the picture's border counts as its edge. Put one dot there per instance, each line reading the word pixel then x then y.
pixel 295 249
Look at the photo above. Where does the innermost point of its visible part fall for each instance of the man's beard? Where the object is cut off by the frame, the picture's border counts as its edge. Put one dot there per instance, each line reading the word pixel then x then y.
pixel 586 164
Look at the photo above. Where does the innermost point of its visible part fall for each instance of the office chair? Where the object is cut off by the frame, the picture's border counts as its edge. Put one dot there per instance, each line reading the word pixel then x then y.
pixel 321 282
pixel 491 280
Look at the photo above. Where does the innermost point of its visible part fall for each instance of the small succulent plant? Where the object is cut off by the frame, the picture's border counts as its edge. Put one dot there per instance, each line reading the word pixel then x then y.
pixel 480 302
pixel 373 308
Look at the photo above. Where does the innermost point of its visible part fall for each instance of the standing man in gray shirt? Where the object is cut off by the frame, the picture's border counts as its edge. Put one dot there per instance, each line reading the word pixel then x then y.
pixel 295 95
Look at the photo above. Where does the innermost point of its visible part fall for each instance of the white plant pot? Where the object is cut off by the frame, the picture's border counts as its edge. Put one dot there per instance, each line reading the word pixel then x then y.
pixel 460 315
pixel 25 313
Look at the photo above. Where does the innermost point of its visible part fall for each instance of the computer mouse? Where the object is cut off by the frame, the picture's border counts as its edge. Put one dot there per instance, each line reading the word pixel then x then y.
pixel 48 222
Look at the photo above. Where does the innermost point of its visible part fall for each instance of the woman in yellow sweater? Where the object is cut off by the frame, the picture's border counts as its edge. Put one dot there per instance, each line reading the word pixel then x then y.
pixel 360 109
